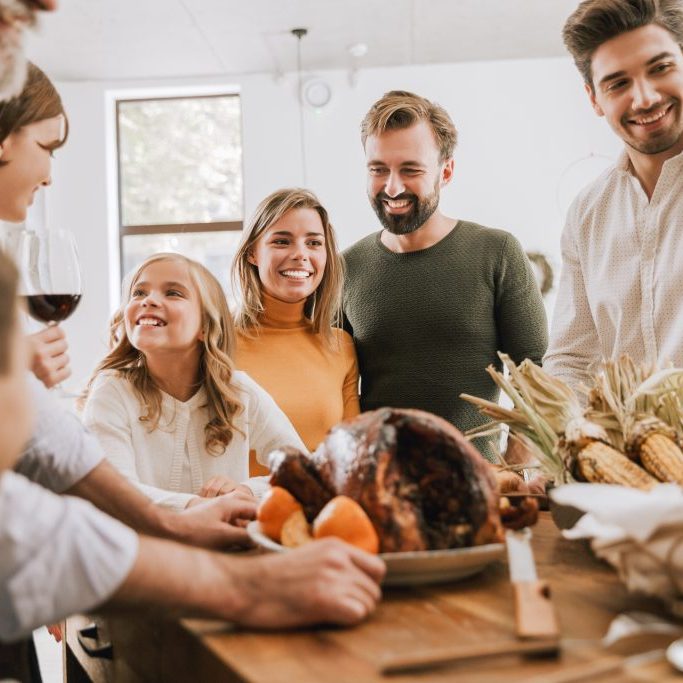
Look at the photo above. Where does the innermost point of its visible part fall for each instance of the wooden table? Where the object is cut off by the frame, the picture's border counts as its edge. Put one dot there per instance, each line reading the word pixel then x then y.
pixel 586 592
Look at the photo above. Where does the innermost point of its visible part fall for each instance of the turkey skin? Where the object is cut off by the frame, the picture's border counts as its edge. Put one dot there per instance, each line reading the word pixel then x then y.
pixel 421 483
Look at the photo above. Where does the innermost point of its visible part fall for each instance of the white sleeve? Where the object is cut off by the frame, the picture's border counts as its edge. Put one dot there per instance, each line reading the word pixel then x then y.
pixel 61 452
pixel 573 351
pixel 268 427
pixel 106 416
pixel 58 556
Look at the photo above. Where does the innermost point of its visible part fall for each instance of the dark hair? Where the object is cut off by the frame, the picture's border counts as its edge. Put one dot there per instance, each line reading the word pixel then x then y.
pixel 38 100
pixel 401 109
pixel 9 279
pixel 594 22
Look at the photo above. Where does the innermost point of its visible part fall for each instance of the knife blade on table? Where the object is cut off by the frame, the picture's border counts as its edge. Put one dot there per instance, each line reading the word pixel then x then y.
pixel 534 611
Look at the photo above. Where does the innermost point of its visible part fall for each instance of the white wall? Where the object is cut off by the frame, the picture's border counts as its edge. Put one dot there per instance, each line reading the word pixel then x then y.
pixel 522 123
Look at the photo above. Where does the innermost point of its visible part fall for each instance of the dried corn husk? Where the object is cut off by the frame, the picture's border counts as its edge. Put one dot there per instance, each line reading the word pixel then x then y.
pixel 545 413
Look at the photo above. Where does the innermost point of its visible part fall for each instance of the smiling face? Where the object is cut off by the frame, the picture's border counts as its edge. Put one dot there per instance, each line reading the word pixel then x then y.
pixel 290 255
pixel 638 88
pixel 28 152
pixel 164 312
pixel 405 176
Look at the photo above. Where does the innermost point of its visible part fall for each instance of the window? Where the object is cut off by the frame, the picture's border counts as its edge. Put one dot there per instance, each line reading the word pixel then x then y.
pixel 180 179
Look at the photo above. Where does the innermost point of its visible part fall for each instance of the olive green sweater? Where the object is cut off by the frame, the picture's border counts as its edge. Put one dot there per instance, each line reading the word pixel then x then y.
pixel 427 323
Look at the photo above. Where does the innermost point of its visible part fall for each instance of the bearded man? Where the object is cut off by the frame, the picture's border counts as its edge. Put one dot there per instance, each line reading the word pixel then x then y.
pixel 430 299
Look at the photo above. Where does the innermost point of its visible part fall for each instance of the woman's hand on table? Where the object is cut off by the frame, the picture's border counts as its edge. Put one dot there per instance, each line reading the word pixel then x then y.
pixel 326 581
pixel 218 522
pixel 48 357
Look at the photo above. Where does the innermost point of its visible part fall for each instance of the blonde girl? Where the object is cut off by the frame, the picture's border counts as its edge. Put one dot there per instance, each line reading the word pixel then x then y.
pixel 169 409
pixel 290 275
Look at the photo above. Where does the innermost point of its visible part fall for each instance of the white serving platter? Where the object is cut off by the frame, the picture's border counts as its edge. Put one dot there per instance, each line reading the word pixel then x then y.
pixel 415 568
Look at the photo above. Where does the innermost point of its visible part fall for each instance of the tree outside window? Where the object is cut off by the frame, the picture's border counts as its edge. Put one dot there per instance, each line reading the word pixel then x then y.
pixel 180 179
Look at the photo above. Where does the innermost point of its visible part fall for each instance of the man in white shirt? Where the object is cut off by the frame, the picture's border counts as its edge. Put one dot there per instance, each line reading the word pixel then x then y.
pixel 59 554
pixel 622 270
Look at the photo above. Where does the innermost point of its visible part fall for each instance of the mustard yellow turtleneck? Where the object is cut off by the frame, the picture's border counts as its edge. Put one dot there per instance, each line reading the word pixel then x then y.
pixel 315 387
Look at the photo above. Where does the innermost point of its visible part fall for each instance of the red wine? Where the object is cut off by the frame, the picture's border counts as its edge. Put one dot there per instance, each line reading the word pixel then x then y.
pixel 52 308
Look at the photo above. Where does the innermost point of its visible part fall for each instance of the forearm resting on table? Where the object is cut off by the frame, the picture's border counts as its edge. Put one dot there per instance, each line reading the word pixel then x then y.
pixel 212 590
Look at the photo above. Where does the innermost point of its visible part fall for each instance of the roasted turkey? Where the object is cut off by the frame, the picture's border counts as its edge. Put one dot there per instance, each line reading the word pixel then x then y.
pixel 423 485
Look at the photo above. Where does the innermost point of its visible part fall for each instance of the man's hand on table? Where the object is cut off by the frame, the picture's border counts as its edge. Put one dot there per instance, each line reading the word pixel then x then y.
pixel 216 523
pixel 48 359
pixel 517 453
pixel 326 581
pixel 516 511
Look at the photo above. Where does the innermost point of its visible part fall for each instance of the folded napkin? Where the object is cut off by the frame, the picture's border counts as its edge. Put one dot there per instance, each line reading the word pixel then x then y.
pixel 640 533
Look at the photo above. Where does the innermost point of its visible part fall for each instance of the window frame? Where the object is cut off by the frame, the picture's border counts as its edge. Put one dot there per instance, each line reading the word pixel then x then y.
pixel 168 228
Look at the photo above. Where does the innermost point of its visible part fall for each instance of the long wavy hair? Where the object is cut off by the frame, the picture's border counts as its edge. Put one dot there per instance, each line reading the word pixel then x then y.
pixel 215 365
pixel 323 307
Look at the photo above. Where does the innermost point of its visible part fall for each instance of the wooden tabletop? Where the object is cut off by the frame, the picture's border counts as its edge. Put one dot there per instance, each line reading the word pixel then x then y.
pixel 586 592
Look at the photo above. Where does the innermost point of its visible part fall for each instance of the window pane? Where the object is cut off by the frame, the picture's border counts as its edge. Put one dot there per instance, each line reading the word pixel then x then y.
pixel 215 250
pixel 180 160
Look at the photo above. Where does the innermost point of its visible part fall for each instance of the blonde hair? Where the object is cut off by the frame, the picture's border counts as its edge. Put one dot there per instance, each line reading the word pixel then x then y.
pixel 400 109
pixel 323 307
pixel 215 365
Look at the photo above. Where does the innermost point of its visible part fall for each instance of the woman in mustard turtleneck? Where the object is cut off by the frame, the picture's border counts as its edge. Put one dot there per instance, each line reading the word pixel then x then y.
pixel 290 275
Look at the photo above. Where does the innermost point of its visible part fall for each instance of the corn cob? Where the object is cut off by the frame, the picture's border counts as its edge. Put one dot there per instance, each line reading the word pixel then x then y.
pixel 662 457
pixel 598 462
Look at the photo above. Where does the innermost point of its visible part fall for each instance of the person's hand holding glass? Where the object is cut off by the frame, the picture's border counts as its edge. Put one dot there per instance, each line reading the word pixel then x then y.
pixel 51 285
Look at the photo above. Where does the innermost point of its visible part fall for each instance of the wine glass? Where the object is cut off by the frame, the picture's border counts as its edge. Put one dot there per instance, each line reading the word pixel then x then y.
pixel 50 274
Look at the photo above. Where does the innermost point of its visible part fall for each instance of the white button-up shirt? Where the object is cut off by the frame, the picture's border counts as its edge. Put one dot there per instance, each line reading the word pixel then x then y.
pixel 58 555
pixel 621 288
pixel 61 452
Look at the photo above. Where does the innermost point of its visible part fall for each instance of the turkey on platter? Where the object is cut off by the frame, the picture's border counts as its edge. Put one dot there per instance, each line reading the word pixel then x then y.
pixel 423 485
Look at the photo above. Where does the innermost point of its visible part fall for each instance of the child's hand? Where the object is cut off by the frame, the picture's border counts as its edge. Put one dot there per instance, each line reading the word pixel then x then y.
pixel 55 630
pixel 217 486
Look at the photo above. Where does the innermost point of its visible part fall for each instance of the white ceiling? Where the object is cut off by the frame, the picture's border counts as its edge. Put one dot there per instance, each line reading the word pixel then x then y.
pixel 140 39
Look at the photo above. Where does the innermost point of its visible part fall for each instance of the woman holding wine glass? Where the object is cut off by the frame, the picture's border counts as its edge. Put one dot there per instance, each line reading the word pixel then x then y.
pixel 32 126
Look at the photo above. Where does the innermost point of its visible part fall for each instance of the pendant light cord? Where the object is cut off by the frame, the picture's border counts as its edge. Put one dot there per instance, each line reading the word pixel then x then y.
pixel 300 33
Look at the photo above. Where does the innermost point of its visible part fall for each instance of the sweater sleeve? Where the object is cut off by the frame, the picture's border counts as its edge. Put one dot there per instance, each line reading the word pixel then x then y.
pixel 106 416
pixel 350 388
pixel 520 314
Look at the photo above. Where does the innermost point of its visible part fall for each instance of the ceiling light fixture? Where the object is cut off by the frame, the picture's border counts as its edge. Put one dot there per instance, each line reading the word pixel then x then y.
pixel 356 52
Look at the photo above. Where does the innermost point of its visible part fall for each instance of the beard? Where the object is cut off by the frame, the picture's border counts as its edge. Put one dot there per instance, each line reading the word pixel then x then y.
pixel 659 142
pixel 420 212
